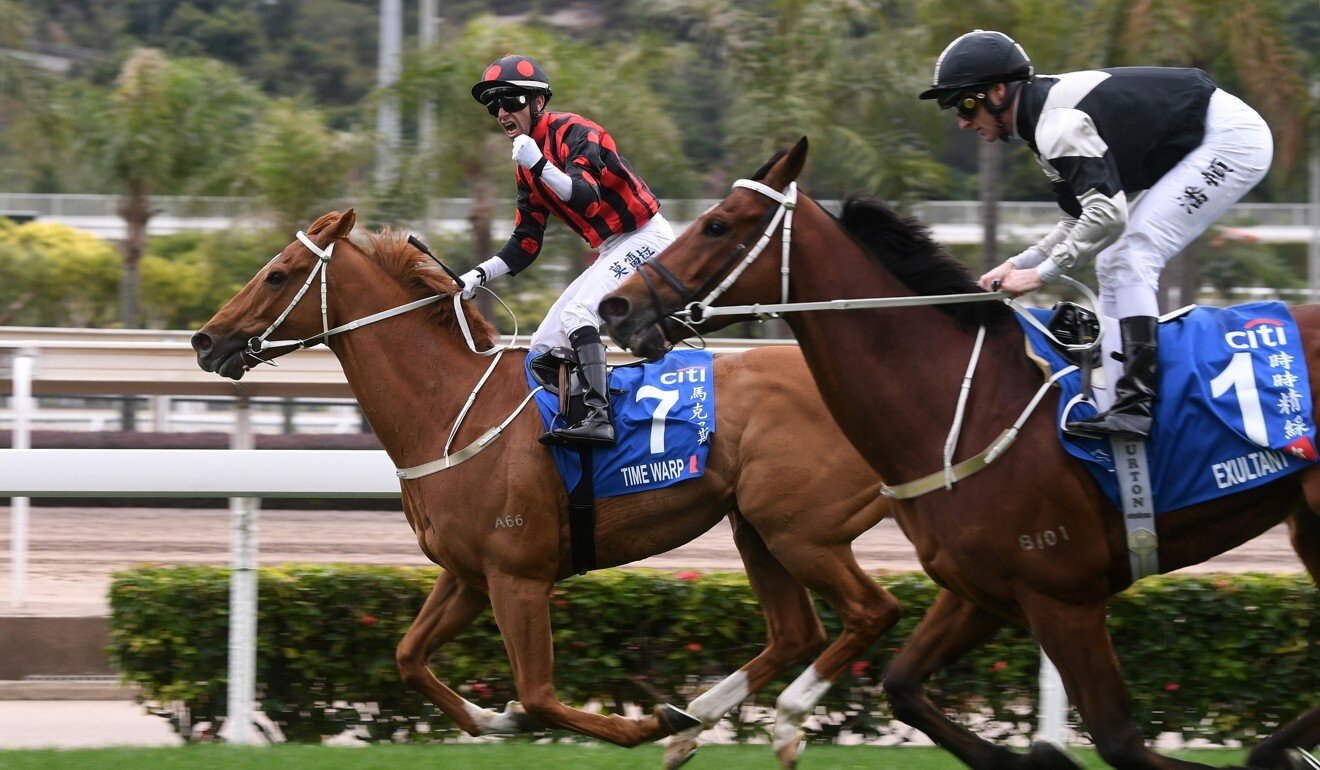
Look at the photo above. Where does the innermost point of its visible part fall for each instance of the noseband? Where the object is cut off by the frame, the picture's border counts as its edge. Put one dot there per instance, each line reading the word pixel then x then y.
pixel 693 309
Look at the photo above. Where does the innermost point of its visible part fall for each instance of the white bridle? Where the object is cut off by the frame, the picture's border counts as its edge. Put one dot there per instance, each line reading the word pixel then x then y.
pixel 696 312
pixel 260 343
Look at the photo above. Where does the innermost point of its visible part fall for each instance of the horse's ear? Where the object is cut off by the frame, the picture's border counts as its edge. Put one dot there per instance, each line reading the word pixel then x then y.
pixel 788 167
pixel 334 225
pixel 345 224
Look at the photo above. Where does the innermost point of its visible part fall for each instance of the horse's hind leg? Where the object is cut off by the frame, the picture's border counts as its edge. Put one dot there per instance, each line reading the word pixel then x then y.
pixel 1304 731
pixel 951 628
pixel 522 610
pixel 1074 636
pixel 451 607
pixel 794 635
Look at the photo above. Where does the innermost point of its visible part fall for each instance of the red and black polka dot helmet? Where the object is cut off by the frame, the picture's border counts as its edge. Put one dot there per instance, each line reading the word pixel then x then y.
pixel 511 73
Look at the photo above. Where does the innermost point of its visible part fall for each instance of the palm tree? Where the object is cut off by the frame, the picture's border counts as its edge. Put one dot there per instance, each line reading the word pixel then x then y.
pixel 170 127
pixel 1240 42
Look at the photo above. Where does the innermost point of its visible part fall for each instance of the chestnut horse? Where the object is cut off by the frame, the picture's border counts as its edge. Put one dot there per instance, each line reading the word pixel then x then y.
pixel 796 492
pixel 906 364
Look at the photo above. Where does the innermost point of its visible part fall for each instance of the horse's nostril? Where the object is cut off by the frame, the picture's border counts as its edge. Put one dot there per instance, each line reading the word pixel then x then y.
pixel 202 342
pixel 614 308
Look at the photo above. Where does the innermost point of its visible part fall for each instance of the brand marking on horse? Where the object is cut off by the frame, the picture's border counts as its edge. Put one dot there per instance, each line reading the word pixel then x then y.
pixel 1047 538
pixel 508 521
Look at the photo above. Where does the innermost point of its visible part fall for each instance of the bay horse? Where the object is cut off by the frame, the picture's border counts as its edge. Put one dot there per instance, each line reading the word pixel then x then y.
pixel 793 523
pixel 891 379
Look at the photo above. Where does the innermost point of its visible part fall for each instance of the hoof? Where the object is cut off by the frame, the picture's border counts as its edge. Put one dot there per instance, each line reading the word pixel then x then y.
pixel 675 719
pixel 1047 756
pixel 791 752
pixel 682 747
pixel 1269 758
pixel 514 719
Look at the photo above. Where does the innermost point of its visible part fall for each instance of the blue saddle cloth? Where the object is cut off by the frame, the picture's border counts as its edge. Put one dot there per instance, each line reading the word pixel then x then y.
pixel 663 422
pixel 1233 411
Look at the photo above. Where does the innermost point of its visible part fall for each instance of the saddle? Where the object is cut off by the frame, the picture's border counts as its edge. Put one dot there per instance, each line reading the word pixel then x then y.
pixel 1072 324
pixel 556 370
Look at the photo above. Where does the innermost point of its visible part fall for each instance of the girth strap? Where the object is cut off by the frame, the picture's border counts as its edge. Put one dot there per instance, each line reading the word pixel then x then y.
pixel 582 516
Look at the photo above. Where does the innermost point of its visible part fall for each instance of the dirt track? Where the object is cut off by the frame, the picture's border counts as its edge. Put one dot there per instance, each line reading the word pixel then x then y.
pixel 74 551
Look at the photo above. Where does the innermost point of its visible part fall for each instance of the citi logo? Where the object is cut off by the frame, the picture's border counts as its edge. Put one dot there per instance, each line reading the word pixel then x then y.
pixel 1259 333
pixel 686 374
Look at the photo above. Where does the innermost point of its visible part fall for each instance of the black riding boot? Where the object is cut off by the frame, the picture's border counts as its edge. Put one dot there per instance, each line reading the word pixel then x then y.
pixel 1134 394
pixel 596 428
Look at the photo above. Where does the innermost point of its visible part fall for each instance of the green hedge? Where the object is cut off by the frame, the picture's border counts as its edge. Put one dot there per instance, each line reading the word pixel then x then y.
pixel 1217 657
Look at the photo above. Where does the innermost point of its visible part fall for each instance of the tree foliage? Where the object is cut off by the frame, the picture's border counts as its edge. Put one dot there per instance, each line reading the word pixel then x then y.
pixel 51 275
pixel 1242 43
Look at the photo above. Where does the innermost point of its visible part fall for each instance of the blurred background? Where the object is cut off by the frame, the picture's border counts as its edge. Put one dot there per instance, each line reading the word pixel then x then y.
pixel 154 154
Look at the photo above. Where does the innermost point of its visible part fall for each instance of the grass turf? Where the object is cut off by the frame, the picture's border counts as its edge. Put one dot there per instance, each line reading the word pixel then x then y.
pixel 499 757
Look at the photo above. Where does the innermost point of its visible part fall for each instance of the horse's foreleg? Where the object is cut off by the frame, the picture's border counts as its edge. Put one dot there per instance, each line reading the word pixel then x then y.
pixel 951 628
pixel 1303 732
pixel 794 635
pixel 522 611
pixel 450 608
pixel 866 610
pixel 1075 638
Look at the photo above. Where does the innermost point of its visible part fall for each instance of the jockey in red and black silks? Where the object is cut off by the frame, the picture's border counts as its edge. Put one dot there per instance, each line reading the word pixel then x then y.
pixel 569 166
pixel 608 197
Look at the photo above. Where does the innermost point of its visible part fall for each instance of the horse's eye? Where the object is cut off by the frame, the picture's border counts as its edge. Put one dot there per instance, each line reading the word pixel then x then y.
pixel 715 227
pixel 276 278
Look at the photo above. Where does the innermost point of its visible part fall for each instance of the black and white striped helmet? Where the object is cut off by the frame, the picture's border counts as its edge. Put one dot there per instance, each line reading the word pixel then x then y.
pixel 977 59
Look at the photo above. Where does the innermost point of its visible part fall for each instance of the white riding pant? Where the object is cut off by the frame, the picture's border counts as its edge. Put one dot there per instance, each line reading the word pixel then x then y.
pixel 1232 158
pixel 618 258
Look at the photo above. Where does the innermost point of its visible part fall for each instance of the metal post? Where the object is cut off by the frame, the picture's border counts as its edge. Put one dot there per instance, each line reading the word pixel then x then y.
pixel 19 506
pixel 242 596
pixel 389 64
pixel 160 414
pixel 1053 716
pixel 1313 247
pixel 426 23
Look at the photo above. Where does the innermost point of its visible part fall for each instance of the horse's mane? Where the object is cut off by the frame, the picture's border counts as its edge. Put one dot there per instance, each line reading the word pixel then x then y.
pixel 419 272
pixel 905 247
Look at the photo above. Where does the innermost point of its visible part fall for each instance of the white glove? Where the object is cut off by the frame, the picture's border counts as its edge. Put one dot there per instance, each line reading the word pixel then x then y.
pixel 525 151
pixel 483 274
pixel 471 280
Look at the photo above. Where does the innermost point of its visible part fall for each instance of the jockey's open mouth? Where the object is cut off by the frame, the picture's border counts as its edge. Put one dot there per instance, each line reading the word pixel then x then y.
pixel 510 126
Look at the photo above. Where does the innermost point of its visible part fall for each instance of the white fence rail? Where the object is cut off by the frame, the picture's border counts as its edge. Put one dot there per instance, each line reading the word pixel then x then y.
pixel 245 476
pixel 953 222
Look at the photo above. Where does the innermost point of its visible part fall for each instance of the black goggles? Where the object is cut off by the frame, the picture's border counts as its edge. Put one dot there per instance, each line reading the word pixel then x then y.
pixel 509 103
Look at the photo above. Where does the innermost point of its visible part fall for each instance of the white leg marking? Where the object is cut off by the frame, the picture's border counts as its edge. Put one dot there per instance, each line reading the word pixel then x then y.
pixel 714 703
pixel 794 704
pixel 507 721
